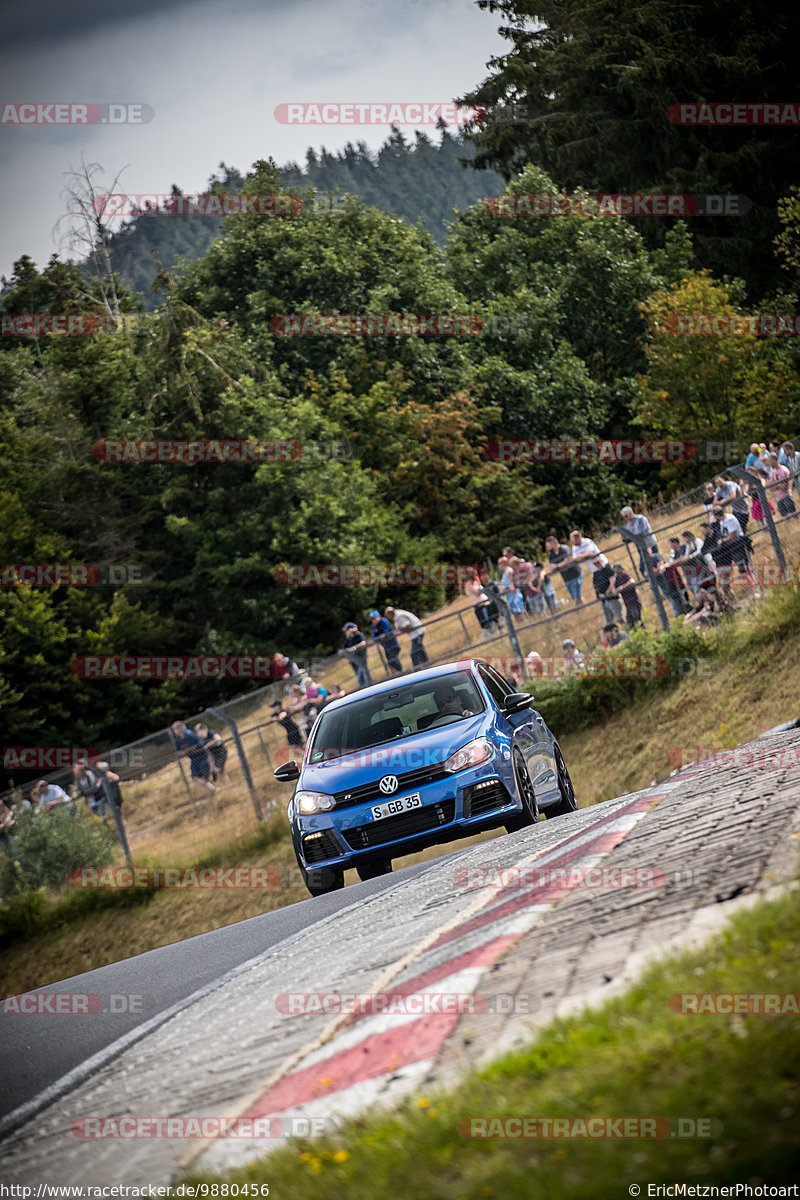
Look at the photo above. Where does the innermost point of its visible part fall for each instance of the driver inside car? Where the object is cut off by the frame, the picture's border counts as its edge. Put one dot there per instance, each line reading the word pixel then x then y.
pixel 449 704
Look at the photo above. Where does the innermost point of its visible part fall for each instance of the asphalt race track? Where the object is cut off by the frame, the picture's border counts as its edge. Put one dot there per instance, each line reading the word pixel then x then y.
pixel 533 924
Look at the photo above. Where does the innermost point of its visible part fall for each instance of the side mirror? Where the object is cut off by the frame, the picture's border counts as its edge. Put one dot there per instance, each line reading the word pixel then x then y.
pixel 287 772
pixel 516 701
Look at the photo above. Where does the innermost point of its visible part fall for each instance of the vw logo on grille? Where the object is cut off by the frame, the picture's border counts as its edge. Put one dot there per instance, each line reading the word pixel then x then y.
pixel 388 784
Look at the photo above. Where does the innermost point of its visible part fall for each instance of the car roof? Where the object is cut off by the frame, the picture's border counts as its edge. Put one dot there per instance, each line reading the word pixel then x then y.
pixel 391 685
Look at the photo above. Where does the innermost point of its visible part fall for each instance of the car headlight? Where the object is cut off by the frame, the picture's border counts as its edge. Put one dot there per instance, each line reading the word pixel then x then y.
pixel 313 802
pixel 471 755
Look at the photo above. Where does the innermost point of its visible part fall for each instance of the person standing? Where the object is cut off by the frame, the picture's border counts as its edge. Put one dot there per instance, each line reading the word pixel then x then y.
pixel 217 749
pixel 623 585
pixel 585 549
pixel 698 569
pixel 94 784
pixel 559 558
pixel 354 649
pixel 508 587
pixel 781 478
pixel 602 579
pixel 792 461
pixel 729 493
pixel 281 716
pixel 406 622
pixel 383 633
pixel 187 742
pixel 485 609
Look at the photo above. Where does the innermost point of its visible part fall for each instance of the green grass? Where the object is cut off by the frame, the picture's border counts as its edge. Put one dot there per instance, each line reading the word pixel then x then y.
pixel 36 912
pixel 634 1057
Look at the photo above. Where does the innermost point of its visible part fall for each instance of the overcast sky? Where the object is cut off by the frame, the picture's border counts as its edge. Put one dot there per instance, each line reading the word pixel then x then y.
pixel 212 76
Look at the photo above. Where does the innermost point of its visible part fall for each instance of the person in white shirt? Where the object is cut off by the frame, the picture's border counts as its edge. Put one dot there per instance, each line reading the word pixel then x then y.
pixel 405 622
pixel 585 548
pixel 48 796
pixel 573 659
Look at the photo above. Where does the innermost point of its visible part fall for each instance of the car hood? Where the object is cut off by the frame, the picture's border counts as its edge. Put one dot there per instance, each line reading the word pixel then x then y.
pixel 393 758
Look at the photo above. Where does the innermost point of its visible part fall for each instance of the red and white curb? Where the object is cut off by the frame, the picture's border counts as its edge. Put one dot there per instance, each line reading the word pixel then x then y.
pixel 366 1059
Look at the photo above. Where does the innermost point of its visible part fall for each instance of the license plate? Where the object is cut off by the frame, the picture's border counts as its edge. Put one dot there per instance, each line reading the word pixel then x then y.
pixel 392 807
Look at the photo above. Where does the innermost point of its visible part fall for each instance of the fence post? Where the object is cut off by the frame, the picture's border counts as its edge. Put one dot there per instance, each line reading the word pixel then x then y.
pixel 762 495
pixel 263 745
pixel 638 539
pixel 186 783
pixel 237 741
pixel 502 603
pixel 113 804
pixel 460 616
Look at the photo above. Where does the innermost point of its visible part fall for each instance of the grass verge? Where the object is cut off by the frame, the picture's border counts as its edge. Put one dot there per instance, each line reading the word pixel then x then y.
pixel 633 1058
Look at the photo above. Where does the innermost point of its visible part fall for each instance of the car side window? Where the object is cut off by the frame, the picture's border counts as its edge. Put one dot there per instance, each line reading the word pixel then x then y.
pixel 498 689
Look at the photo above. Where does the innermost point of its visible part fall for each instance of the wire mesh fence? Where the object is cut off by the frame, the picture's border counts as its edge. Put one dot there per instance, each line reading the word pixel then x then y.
pixel 162 792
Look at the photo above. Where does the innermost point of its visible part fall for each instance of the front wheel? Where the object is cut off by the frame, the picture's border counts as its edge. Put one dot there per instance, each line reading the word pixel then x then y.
pixel 371 870
pixel 567 803
pixel 530 809
pixel 320 880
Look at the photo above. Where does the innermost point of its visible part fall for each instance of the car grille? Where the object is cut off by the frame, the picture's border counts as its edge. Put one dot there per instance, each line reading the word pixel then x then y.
pixel 317 847
pixel 419 820
pixel 364 793
pixel 485 797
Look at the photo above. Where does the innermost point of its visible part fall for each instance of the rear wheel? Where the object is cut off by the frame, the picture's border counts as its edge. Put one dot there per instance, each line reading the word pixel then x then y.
pixel 530 809
pixel 371 870
pixel 567 803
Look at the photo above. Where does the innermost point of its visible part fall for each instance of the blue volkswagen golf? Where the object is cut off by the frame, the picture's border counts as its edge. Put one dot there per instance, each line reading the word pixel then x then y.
pixel 409 763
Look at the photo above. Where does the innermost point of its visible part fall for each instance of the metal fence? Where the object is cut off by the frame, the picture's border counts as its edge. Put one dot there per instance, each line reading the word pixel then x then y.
pixel 160 794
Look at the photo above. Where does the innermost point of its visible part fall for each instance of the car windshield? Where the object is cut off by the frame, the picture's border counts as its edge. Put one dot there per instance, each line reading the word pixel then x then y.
pixel 404 711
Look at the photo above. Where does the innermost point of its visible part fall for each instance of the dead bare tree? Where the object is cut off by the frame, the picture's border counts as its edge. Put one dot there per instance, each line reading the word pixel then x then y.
pixel 85 229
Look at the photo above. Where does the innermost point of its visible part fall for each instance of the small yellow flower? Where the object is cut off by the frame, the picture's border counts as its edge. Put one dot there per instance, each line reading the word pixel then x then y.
pixel 341 1156
pixel 305 1157
pixel 315 1166
pixel 423 1102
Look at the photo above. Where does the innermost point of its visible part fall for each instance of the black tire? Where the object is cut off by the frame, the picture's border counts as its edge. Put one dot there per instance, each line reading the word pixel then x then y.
pixel 371 870
pixel 530 809
pixel 320 880
pixel 568 803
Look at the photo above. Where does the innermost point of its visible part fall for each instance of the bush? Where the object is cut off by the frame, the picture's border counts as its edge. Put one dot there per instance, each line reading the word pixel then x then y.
pixel 48 846
pixel 571 704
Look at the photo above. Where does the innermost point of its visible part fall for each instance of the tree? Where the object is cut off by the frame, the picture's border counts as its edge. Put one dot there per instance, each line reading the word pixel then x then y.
pixel 593 80
pixel 700 385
